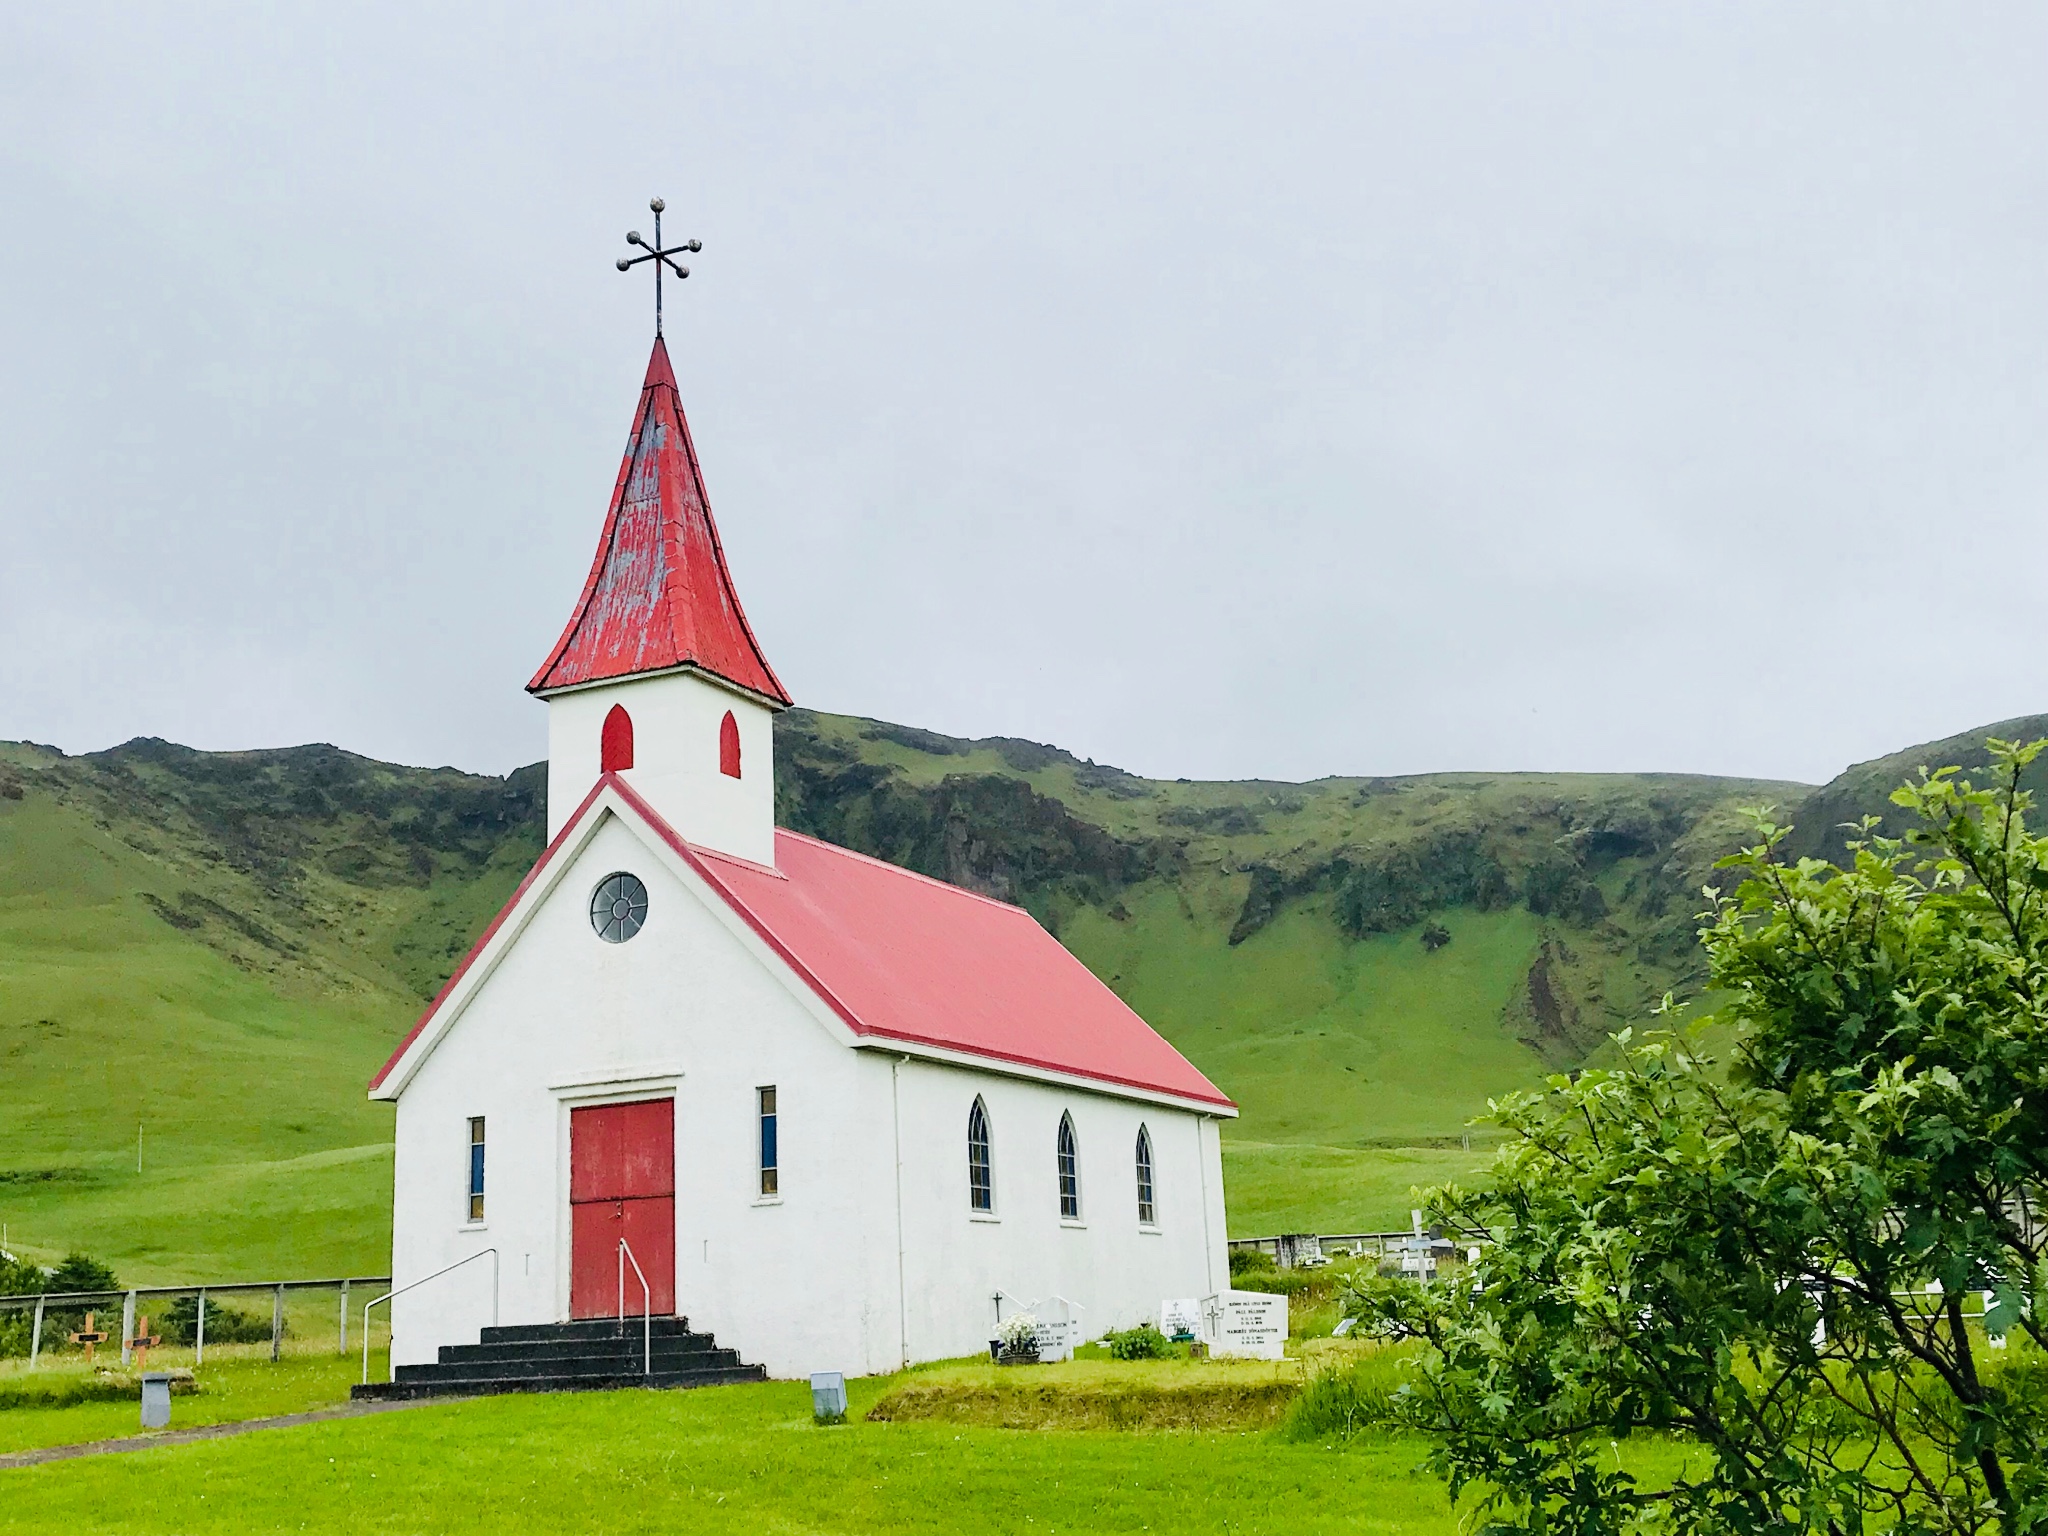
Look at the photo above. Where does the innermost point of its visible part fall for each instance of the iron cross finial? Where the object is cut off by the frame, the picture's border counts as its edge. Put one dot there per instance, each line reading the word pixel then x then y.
pixel 660 256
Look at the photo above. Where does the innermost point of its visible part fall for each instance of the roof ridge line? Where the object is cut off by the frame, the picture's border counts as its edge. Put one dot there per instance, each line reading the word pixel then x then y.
pixel 908 874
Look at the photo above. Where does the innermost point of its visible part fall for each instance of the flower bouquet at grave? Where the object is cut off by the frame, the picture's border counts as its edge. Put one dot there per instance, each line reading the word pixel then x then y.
pixel 1017 1340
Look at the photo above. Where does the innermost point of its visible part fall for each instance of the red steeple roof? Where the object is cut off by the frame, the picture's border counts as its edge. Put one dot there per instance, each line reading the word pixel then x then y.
pixel 659 595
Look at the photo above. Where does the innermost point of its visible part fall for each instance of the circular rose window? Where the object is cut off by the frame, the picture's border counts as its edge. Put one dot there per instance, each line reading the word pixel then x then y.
pixel 618 907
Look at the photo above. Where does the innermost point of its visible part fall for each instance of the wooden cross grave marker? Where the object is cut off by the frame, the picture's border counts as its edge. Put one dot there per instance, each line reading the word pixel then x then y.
pixel 88 1336
pixel 143 1342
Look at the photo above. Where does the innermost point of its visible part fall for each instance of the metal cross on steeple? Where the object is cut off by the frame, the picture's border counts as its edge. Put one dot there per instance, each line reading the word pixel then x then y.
pixel 659 256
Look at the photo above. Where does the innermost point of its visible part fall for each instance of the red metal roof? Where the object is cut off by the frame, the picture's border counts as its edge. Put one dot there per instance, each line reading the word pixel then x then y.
pixel 903 957
pixel 898 956
pixel 659 595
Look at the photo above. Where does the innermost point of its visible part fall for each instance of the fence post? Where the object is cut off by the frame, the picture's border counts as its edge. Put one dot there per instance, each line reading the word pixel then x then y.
pixel 199 1332
pixel 276 1320
pixel 344 1317
pixel 127 1325
pixel 35 1340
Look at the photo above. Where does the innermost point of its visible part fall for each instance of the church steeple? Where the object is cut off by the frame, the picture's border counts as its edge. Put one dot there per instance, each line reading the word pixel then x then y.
pixel 659 597
pixel 658 677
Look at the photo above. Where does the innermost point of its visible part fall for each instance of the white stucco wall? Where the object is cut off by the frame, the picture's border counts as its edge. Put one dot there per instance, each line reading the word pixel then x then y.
pixel 675 758
pixel 824 1277
pixel 1116 1269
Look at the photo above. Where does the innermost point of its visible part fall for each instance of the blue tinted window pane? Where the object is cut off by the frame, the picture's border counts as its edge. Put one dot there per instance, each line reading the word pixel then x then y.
pixel 767 1141
pixel 476 1170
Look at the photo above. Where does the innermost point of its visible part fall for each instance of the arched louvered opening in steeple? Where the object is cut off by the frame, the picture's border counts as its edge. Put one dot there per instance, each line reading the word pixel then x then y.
pixel 615 743
pixel 729 746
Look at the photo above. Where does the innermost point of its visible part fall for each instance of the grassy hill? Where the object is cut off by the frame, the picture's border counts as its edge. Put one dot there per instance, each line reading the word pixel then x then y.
pixel 213 951
pixel 219 948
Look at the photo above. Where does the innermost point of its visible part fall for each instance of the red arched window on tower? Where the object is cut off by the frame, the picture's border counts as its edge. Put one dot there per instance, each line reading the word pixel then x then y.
pixel 615 746
pixel 729 746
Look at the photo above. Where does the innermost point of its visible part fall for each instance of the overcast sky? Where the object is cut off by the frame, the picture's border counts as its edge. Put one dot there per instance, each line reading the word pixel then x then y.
pixel 1216 391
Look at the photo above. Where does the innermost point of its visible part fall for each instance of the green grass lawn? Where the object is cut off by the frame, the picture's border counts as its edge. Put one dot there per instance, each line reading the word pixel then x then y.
pixel 723 1459
pixel 236 1382
pixel 741 1459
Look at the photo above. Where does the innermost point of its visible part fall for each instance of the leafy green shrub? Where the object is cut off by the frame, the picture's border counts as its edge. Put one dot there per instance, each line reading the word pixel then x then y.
pixel 78 1272
pixel 1143 1342
pixel 81 1272
pixel 1346 1400
pixel 18 1277
pixel 224 1324
pixel 1246 1261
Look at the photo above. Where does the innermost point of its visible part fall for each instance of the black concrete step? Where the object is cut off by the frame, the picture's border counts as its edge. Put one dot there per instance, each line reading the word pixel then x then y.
pixel 589 1328
pixel 482 1386
pixel 575 1365
pixel 593 1355
pixel 663 1347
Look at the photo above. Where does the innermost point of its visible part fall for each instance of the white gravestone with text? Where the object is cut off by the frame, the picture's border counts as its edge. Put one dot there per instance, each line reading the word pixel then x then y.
pixel 1247 1324
pixel 1181 1319
pixel 1059 1330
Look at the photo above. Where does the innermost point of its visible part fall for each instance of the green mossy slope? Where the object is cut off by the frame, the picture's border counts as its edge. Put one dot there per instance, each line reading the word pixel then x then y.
pixel 220 947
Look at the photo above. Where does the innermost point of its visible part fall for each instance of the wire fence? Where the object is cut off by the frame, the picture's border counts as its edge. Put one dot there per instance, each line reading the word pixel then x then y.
pixel 45 1306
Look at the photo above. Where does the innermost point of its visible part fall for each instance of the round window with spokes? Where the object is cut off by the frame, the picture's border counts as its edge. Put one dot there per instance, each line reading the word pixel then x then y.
pixel 618 907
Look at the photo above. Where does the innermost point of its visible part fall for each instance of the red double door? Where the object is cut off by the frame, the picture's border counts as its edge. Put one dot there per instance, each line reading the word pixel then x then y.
pixel 622 1184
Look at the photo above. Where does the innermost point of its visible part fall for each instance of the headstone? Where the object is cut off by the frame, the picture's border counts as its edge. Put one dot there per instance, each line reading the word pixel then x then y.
pixel 1059 1330
pixel 1181 1318
pixel 156 1399
pixel 1247 1324
pixel 1298 1249
pixel 828 1395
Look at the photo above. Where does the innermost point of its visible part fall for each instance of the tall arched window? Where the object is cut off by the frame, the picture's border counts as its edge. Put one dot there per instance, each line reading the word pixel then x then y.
pixel 1070 1172
pixel 729 746
pixel 615 742
pixel 981 1169
pixel 1147 1211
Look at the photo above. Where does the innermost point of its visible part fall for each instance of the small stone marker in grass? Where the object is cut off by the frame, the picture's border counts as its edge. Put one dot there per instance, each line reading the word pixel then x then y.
pixel 828 1397
pixel 88 1337
pixel 156 1399
pixel 1180 1319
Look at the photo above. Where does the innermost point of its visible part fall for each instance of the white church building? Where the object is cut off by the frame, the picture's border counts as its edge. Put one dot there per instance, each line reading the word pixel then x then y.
pixel 834 1109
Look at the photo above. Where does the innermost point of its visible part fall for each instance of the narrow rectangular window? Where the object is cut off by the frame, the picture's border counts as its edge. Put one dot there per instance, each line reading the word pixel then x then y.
pixel 769 1182
pixel 476 1167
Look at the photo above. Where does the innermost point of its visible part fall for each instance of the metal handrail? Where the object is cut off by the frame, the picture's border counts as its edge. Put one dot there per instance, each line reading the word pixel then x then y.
pixel 437 1274
pixel 646 1307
